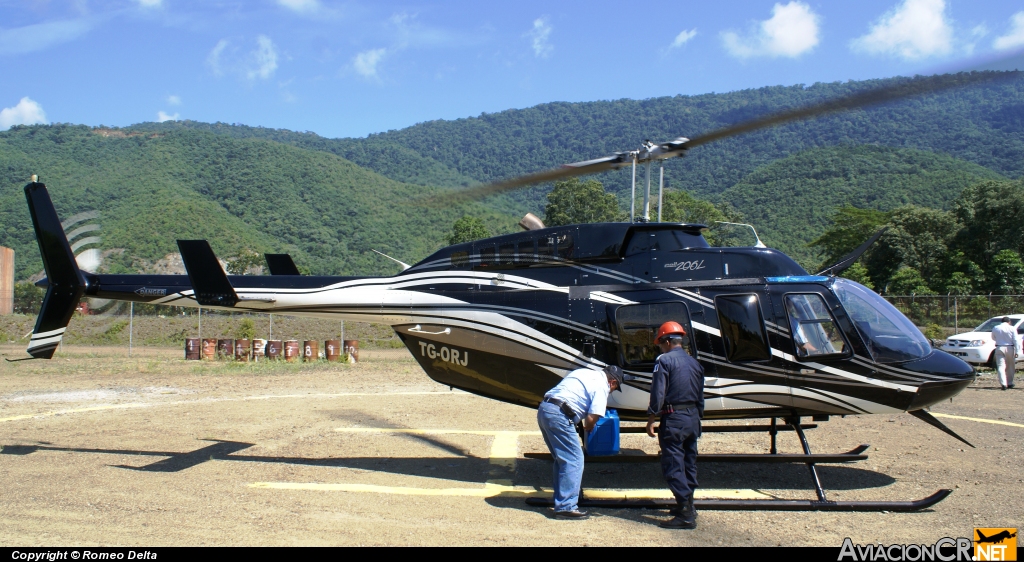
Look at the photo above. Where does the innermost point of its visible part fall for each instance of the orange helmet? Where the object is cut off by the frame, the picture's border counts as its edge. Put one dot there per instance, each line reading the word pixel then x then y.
pixel 669 329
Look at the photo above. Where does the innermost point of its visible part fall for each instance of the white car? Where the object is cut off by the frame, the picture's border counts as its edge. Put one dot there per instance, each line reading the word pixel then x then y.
pixel 977 346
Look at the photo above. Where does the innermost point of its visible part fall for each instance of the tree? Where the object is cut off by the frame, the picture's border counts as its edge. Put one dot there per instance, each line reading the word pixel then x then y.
pixel 1007 273
pixel 468 229
pixel 680 206
pixel 246 261
pixel 918 238
pixel 990 213
pixel 908 281
pixel 850 228
pixel 857 272
pixel 574 201
pixel 27 298
pixel 246 330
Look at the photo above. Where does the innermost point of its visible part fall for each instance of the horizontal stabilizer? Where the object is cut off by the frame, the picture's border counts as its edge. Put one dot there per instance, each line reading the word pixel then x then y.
pixel 281 264
pixel 209 282
pixel 929 419
pixel 65 283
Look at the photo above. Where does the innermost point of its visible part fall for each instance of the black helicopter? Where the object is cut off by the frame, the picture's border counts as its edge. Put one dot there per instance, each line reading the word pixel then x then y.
pixel 508 316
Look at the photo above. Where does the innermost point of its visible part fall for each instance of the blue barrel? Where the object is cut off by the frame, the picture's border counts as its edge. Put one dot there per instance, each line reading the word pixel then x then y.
pixel 603 440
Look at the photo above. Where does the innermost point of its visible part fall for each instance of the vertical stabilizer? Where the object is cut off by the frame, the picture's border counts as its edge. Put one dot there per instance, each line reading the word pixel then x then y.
pixel 65 283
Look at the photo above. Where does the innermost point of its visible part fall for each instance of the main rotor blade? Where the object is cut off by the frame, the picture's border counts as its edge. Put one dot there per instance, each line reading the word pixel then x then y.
pixel 903 89
pixel 565 171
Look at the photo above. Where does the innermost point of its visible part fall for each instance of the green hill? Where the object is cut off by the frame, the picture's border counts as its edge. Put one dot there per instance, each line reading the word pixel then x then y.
pixel 791 200
pixel 239 193
pixel 329 201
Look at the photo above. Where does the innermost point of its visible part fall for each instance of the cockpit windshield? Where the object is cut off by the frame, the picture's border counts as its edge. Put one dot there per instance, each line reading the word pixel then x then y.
pixel 890 336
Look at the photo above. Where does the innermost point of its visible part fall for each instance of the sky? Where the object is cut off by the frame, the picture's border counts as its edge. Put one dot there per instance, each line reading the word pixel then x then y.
pixel 351 68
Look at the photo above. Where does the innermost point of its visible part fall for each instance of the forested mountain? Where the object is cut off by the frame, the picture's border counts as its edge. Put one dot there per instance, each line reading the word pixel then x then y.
pixel 979 124
pixel 791 201
pixel 328 201
pixel 238 193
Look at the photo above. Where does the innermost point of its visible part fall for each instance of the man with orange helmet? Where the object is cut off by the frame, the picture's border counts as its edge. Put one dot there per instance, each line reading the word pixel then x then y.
pixel 677 397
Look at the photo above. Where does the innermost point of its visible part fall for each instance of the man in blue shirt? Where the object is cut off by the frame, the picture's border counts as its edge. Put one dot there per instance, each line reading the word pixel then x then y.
pixel 677 396
pixel 581 397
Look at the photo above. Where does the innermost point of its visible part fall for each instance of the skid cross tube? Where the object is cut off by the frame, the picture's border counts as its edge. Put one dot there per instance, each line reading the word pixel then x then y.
pixel 795 423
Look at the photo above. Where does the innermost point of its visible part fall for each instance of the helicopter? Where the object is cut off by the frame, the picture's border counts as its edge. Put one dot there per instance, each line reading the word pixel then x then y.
pixel 507 317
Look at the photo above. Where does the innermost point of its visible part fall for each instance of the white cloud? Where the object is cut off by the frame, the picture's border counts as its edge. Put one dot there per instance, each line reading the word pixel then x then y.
pixel 366 62
pixel 301 6
pixel 1014 37
pixel 792 31
pixel 174 100
pixel 150 3
pixel 682 38
pixel 27 112
pixel 42 35
pixel 912 30
pixel 539 35
pixel 161 116
pixel 213 59
pixel 265 59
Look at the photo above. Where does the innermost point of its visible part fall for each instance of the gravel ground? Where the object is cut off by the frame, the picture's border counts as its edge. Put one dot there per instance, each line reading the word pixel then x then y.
pixel 99 449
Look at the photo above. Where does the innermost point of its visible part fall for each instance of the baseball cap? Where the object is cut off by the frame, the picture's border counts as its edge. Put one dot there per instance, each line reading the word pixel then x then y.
pixel 615 372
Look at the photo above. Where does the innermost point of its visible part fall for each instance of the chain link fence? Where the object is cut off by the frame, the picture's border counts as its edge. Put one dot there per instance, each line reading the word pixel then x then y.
pixel 955 313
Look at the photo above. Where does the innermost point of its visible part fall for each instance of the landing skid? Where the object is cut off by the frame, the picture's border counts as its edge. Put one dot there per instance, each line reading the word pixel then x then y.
pixel 821 504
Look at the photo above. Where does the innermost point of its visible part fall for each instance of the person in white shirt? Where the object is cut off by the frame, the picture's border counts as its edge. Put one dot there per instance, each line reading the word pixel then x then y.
pixel 1006 352
pixel 581 397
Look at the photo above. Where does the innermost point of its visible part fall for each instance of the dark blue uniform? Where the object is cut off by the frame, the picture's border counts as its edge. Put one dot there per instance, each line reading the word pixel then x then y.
pixel 678 379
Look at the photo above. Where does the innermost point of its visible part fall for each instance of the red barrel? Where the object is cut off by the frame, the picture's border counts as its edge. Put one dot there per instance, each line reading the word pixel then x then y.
pixel 352 350
pixel 332 350
pixel 193 349
pixel 209 348
pixel 310 350
pixel 225 349
pixel 274 349
pixel 241 350
pixel 291 350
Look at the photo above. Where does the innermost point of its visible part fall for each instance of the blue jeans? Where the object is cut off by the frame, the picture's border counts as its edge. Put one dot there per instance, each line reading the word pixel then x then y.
pixel 564 443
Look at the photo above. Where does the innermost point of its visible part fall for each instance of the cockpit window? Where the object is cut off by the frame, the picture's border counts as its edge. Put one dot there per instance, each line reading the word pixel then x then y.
pixel 815 333
pixel 890 336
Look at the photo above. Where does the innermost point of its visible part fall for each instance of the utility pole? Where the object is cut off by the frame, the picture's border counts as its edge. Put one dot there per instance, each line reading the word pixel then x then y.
pixel 131 321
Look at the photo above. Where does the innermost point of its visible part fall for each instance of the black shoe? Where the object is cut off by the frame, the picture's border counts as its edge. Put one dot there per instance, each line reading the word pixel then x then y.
pixel 1002 388
pixel 678 522
pixel 684 509
pixel 574 514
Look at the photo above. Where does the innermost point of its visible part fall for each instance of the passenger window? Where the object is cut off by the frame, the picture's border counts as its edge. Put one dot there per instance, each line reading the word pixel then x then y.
pixel 487 257
pixel 525 254
pixel 742 328
pixel 637 324
pixel 506 254
pixel 815 333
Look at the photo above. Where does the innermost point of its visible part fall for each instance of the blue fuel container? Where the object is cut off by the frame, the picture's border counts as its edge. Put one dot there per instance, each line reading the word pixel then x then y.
pixel 603 440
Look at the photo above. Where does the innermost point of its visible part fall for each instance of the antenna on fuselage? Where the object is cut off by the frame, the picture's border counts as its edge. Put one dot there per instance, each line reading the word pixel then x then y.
pixel 399 262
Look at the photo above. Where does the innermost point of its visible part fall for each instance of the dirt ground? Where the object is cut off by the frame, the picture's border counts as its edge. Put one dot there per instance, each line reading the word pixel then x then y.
pixel 99 449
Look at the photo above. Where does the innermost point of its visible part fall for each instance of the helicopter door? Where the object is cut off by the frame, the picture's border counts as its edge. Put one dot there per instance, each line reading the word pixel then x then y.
pixel 779 336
